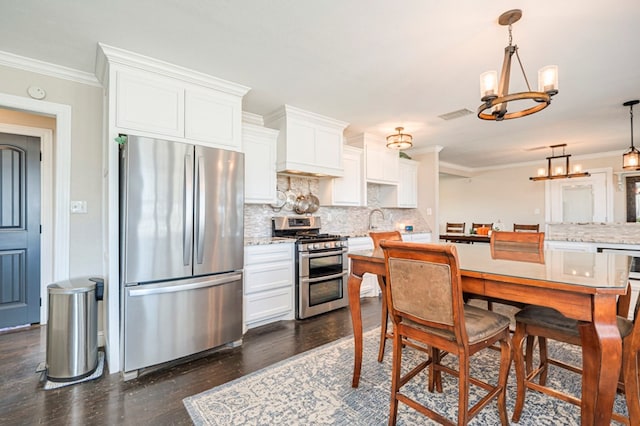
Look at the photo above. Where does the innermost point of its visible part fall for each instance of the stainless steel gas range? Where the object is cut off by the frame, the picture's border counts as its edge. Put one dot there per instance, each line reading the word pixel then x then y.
pixel 322 266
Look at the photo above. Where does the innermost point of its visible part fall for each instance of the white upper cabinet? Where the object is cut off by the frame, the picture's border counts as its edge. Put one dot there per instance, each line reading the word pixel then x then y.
pixel 381 163
pixel 349 190
pixel 408 184
pixel 213 117
pixel 158 99
pixel 259 144
pixel 308 143
pixel 149 102
pixel 405 194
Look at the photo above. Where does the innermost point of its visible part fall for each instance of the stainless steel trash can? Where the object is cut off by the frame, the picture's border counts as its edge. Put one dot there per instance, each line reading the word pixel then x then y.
pixel 72 330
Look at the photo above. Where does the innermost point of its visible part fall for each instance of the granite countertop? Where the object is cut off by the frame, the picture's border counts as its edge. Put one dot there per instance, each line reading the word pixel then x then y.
pixel 267 240
pixel 366 233
pixel 602 233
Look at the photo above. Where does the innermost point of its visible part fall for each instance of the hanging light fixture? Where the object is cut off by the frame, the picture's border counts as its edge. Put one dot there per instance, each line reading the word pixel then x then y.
pixel 496 96
pixel 558 170
pixel 399 140
pixel 631 158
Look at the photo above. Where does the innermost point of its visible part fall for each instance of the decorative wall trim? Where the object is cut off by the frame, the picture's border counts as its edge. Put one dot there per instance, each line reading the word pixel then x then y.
pixel 46 68
pixel 109 55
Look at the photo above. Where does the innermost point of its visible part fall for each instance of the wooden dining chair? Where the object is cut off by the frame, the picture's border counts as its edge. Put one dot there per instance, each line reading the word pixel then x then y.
pixel 424 296
pixel 547 323
pixel 526 228
pixel 517 246
pixel 376 237
pixel 456 228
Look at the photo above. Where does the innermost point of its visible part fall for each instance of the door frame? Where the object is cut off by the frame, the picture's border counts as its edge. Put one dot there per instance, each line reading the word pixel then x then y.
pixel 57 155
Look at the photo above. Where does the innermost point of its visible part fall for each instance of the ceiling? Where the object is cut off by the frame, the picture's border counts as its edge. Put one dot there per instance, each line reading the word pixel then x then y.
pixel 374 64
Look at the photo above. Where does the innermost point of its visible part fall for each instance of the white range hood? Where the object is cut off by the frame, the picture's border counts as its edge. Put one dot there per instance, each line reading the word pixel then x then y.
pixel 309 144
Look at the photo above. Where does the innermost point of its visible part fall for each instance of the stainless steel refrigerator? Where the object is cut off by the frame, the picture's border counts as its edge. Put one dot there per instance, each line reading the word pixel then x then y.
pixel 181 250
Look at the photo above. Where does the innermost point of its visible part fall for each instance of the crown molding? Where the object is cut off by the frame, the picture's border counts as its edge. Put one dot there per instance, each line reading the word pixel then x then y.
pixel 34 65
pixel 109 55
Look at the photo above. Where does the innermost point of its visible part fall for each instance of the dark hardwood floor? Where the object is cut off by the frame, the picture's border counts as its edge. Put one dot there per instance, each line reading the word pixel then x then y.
pixel 156 396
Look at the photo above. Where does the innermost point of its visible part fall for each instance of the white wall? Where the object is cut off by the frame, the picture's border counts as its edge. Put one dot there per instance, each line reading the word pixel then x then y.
pixel 85 250
pixel 507 194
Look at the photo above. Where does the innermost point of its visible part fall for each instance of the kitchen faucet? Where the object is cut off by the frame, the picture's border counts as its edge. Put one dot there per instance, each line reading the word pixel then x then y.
pixel 371 214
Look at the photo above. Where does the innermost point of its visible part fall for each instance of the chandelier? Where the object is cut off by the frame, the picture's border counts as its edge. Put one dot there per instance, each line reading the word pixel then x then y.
pixel 631 158
pixel 399 140
pixel 496 96
pixel 556 169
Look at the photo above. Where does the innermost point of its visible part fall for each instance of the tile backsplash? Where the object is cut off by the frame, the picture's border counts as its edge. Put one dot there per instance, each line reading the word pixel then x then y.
pixel 352 221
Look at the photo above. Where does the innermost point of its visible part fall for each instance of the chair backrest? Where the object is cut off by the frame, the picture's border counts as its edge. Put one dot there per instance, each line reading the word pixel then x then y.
pixel 455 227
pixel 481 225
pixel 526 228
pixel 384 236
pixel 424 285
pixel 522 246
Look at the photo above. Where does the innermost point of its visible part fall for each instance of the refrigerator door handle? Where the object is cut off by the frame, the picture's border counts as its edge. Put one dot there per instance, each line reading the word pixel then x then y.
pixel 146 290
pixel 187 203
pixel 201 210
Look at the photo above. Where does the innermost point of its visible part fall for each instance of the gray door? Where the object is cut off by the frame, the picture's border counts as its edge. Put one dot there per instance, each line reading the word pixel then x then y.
pixel 19 230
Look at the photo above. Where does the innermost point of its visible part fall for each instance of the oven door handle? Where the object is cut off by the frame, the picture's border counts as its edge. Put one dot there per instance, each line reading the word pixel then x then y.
pixel 306 255
pixel 325 278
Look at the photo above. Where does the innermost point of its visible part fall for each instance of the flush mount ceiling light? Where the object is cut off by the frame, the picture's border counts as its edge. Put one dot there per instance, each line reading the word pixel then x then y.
pixel 399 140
pixel 496 96
pixel 557 170
pixel 631 158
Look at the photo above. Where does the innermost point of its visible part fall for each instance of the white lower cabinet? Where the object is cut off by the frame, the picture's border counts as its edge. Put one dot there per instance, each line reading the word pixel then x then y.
pixel 369 286
pixel 268 284
pixel 419 237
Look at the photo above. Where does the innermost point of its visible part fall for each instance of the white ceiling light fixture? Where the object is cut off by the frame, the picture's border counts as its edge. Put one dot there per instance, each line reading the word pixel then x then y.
pixel 556 169
pixel 631 158
pixel 496 96
pixel 399 140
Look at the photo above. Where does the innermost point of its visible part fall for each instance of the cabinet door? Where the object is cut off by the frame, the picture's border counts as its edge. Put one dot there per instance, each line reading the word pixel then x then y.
pixel 300 142
pixel 408 185
pixel 382 164
pixel 214 117
pixel 328 148
pixel 260 165
pixel 149 102
pixel 347 190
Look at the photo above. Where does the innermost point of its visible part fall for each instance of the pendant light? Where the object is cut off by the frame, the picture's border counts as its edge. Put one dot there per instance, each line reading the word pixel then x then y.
pixel 495 95
pixel 558 167
pixel 631 158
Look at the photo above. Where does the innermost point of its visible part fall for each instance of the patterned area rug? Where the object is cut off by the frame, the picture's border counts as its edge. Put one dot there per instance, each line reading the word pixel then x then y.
pixel 314 388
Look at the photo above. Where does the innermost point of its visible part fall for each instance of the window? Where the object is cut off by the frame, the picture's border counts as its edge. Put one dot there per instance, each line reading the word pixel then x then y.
pixel 633 198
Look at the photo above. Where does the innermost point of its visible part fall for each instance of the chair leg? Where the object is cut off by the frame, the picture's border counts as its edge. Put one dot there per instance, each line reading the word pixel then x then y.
pixel 384 318
pixel 542 341
pixel 463 391
pixel 505 365
pixel 630 373
pixel 435 375
pixel 383 328
pixel 395 377
pixel 528 358
pixel 519 361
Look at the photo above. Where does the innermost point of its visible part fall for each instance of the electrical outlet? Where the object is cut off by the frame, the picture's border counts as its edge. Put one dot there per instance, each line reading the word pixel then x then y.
pixel 79 207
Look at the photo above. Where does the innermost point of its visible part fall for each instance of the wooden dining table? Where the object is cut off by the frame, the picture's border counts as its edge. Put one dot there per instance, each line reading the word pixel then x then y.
pixel 583 286
pixel 465 238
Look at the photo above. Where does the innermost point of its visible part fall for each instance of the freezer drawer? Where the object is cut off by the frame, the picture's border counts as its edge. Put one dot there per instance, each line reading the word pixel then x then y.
pixel 171 320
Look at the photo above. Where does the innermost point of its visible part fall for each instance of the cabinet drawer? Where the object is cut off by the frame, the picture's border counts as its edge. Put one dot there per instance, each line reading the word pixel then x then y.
pixel 268 304
pixel 267 277
pixel 268 253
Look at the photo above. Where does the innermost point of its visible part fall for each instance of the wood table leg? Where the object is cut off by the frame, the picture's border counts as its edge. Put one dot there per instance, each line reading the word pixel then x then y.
pixel 353 286
pixel 601 359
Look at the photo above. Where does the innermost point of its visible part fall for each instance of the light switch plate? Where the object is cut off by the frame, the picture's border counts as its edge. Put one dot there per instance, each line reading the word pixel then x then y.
pixel 78 207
